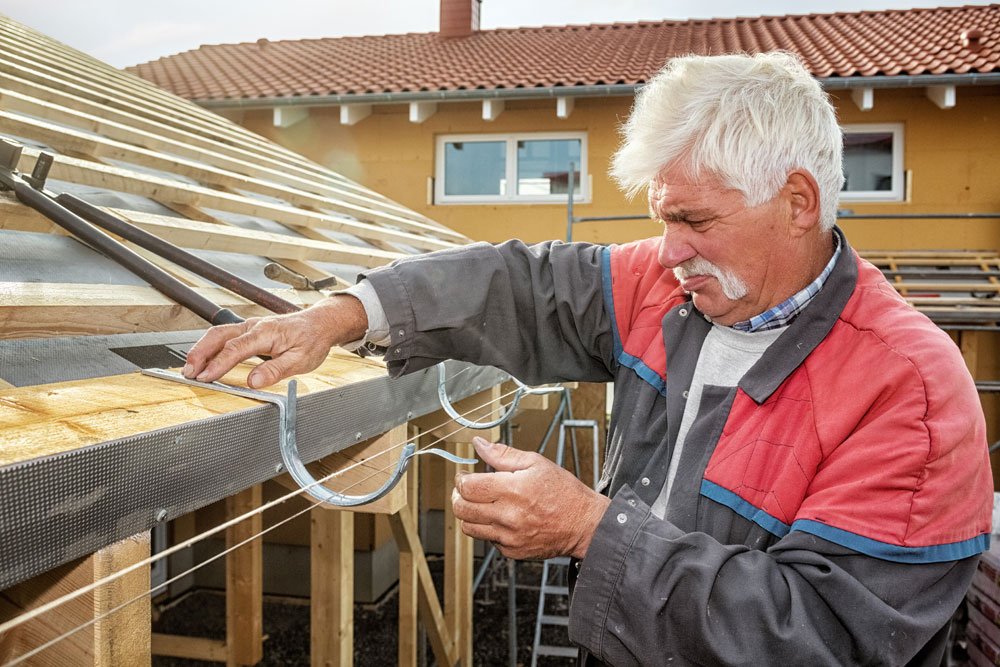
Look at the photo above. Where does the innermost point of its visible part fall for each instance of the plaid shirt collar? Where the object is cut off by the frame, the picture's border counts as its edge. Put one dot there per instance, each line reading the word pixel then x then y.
pixel 783 314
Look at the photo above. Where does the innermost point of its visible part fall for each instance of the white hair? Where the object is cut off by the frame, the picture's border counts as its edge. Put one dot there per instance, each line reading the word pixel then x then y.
pixel 749 120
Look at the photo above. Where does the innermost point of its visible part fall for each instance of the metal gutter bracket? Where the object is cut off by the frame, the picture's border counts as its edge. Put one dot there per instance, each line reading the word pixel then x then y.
pixel 289 450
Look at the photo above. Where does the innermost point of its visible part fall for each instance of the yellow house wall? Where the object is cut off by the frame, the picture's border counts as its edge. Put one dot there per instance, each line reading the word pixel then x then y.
pixel 952 156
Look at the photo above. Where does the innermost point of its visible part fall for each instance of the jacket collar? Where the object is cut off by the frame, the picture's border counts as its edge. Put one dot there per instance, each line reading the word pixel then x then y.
pixel 806 331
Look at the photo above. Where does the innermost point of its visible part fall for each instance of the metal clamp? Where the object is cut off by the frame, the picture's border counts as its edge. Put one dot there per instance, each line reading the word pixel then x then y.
pixel 289 450
pixel 521 391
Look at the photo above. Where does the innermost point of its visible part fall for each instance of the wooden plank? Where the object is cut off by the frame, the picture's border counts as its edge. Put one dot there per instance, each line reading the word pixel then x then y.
pixel 969 344
pixel 409 585
pixel 68 97
pixel 125 180
pixel 170 109
pixel 331 607
pixel 67 140
pixel 43 53
pixel 121 638
pixel 54 418
pixel 191 648
pixel 42 310
pixel 404 530
pixel 245 581
pixel 458 563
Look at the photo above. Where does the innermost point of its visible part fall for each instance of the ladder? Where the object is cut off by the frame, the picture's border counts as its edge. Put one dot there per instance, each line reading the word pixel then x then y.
pixel 555 571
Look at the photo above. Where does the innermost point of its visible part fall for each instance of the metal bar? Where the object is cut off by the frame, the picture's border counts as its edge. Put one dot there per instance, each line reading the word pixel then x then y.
pixel 178 256
pixel 570 186
pixel 605 218
pixel 917 216
pixel 159 279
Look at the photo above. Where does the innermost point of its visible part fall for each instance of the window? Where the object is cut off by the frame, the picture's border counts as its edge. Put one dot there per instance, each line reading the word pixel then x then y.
pixel 510 168
pixel 873 163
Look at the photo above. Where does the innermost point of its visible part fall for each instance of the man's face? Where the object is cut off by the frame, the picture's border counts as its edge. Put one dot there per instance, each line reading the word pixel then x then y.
pixel 732 259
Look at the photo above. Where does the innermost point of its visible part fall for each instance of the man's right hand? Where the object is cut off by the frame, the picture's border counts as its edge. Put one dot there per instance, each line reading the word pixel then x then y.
pixel 297 342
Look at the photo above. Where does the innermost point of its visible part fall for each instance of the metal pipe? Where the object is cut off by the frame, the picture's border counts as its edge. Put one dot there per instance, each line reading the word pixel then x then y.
pixel 917 216
pixel 159 279
pixel 178 256
pixel 605 218
pixel 570 185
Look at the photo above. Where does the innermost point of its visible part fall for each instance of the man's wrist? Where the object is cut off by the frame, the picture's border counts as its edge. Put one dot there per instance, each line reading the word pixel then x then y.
pixel 594 514
pixel 342 318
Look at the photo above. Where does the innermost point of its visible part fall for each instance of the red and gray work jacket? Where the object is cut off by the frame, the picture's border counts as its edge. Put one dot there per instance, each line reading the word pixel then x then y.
pixel 828 510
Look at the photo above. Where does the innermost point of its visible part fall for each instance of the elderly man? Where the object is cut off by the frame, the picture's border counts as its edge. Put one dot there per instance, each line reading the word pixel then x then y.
pixel 796 468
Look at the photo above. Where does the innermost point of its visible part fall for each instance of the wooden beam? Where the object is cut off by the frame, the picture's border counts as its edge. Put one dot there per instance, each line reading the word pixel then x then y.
pixel 331 609
pixel 458 562
pixel 54 418
pixel 492 109
pixel 230 177
pixel 191 648
pixel 421 111
pixel 352 114
pixel 409 583
pixel 68 96
pixel 404 530
pixel 42 310
pixel 287 116
pixel 245 581
pixel 53 102
pixel 133 182
pixel 121 638
pixel 942 96
pixel 564 107
pixel 864 98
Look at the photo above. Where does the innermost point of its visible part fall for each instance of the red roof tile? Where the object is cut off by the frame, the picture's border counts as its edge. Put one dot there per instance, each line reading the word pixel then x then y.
pixel 895 42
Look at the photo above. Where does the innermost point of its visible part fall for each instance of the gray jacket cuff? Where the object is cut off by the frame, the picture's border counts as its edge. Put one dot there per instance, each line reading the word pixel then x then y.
pixel 395 303
pixel 602 576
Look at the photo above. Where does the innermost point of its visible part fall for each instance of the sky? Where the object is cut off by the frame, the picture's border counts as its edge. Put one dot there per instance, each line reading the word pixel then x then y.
pixel 127 32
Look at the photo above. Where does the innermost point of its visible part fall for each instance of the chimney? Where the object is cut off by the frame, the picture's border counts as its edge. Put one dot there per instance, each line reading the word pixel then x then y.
pixel 459 18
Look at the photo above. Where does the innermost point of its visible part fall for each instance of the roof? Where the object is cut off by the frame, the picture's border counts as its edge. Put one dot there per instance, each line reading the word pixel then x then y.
pixel 871 43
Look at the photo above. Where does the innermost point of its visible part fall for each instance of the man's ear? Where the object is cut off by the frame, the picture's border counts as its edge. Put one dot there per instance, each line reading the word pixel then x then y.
pixel 802 194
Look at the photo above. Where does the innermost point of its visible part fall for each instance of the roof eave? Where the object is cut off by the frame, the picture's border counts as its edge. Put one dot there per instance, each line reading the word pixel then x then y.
pixel 611 90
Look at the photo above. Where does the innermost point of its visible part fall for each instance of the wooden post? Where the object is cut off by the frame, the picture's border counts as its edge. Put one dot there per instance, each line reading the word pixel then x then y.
pixel 409 643
pixel 245 582
pixel 458 557
pixel 121 638
pixel 331 613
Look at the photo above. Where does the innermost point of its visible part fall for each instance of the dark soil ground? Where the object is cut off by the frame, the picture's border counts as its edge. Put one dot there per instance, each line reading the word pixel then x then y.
pixel 286 623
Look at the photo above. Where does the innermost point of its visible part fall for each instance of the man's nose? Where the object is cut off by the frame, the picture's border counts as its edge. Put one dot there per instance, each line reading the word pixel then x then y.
pixel 674 247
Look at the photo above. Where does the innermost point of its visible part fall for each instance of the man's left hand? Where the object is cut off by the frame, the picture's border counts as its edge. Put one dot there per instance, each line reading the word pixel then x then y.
pixel 530 507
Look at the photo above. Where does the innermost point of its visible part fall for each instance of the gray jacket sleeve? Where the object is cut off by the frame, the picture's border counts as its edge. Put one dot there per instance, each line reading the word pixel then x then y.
pixel 536 312
pixel 649 594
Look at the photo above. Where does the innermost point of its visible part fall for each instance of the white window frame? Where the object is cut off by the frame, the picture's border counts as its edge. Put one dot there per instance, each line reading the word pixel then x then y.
pixel 898 185
pixel 511 197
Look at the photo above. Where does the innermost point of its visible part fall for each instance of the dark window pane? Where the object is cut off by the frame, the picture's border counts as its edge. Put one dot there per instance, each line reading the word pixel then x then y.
pixel 543 166
pixel 867 161
pixel 475 167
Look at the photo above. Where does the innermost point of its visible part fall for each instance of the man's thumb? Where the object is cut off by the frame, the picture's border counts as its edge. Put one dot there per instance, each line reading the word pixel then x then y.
pixel 501 457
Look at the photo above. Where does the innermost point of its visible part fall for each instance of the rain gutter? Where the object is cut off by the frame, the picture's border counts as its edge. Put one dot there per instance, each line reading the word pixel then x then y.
pixel 551 92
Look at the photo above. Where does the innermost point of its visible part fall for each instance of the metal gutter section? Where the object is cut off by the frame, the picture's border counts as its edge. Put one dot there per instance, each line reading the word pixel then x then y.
pixel 66 506
pixel 552 92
